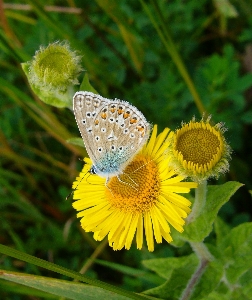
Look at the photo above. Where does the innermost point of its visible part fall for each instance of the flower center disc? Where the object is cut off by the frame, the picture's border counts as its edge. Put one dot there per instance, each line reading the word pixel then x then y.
pixel 198 145
pixel 137 189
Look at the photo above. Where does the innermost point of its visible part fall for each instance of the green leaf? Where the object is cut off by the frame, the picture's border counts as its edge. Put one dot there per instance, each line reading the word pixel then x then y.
pixel 76 141
pixel 226 9
pixel 63 288
pixel 217 196
pixel 12 287
pixel 217 296
pixel 221 229
pixel 86 86
pixel 64 271
pixel 164 267
pixel 247 289
pixel 245 282
pixel 146 276
pixel 54 98
pixel 239 294
pixel 177 271
pixel 237 254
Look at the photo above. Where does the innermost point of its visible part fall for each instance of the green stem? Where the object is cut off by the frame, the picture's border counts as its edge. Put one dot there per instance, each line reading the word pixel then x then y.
pixel 202 251
pixel 92 258
pixel 172 50
pixel 199 248
pixel 199 203
pixel 204 257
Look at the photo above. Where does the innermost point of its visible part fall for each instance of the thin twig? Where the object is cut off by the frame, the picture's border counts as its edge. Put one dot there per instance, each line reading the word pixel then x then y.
pixel 95 254
pixel 5 25
pixel 205 257
pixel 27 7
pixel 194 279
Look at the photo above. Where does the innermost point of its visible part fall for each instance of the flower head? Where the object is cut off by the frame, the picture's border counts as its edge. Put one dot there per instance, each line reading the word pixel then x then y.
pixel 199 150
pixel 55 67
pixel 142 199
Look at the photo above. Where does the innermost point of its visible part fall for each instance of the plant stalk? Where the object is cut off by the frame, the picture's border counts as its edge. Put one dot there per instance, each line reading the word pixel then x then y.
pixel 204 257
pixel 199 203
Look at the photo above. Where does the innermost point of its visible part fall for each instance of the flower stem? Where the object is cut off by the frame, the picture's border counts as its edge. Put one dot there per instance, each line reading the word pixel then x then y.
pixel 199 203
pixel 205 257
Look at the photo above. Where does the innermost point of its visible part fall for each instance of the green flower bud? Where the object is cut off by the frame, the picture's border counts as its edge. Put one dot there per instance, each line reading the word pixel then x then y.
pixel 53 72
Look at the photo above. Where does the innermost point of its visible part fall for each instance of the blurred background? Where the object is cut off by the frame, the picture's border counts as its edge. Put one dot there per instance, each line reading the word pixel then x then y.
pixel 172 59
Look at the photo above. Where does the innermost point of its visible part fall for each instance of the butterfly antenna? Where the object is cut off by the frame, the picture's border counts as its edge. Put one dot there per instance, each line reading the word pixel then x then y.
pixel 68 196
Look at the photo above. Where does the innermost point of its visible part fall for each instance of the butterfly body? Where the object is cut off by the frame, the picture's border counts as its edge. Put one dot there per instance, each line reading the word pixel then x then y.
pixel 113 131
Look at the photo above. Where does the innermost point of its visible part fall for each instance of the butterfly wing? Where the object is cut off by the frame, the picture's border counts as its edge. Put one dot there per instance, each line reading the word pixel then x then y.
pixel 120 131
pixel 85 107
pixel 113 132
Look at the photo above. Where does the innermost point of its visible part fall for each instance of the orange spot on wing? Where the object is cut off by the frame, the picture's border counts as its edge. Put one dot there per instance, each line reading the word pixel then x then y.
pixel 120 111
pixel 126 115
pixel 133 120
pixel 140 128
pixel 103 115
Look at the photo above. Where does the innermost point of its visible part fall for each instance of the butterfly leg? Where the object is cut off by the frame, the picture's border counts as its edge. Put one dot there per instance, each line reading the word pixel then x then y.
pixel 106 185
pixel 120 180
pixel 68 196
pixel 142 166
pixel 130 178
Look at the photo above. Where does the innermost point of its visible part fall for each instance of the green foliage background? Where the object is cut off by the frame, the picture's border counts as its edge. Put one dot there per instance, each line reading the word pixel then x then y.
pixel 140 51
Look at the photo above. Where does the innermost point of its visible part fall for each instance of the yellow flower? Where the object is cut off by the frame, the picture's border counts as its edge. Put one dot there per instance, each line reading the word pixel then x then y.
pixel 143 199
pixel 199 150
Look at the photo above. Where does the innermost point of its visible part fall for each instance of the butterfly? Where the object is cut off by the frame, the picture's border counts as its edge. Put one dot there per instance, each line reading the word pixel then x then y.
pixel 113 131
